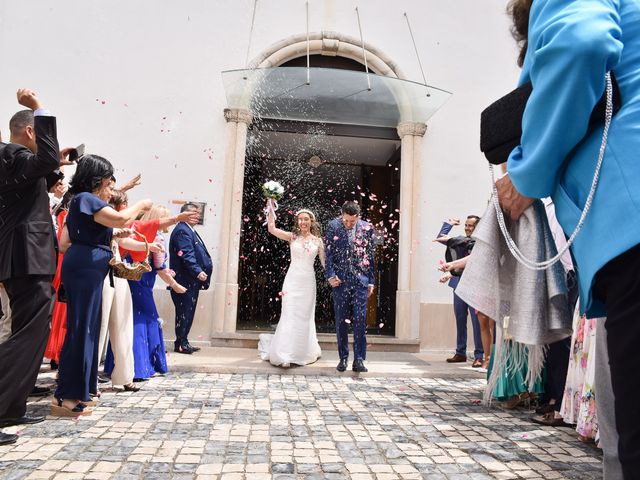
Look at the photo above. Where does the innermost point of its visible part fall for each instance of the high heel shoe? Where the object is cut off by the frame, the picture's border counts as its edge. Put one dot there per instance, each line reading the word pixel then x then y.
pixel 59 410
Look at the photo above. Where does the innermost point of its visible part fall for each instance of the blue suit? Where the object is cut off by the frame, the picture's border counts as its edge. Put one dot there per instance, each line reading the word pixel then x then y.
pixel 353 263
pixel 571 46
pixel 188 257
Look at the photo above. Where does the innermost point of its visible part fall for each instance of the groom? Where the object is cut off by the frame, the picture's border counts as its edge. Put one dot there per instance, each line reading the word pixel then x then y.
pixel 349 270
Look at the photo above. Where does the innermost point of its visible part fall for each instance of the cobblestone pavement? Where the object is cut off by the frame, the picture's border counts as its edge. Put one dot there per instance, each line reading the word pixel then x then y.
pixel 259 426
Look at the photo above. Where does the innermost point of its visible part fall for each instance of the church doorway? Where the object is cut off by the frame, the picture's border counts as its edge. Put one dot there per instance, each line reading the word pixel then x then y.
pixel 321 166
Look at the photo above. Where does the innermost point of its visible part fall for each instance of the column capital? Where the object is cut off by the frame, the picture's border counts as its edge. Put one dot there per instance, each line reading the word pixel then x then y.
pixel 416 129
pixel 238 115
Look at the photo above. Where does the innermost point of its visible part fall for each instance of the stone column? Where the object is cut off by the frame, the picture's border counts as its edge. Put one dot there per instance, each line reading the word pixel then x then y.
pixel 408 295
pixel 226 285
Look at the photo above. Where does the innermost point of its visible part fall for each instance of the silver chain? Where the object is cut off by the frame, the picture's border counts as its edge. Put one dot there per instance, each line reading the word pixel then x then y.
pixel 513 248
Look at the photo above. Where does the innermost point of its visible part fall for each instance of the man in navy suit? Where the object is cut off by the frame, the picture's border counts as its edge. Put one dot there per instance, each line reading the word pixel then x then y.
pixel 349 243
pixel 189 258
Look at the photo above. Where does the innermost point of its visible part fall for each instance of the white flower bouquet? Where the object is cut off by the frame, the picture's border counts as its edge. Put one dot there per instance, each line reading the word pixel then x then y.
pixel 272 190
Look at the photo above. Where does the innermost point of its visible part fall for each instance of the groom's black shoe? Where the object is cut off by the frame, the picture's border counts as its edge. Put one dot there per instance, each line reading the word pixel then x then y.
pixel 358 366
pixel 182 349
pixel 342 366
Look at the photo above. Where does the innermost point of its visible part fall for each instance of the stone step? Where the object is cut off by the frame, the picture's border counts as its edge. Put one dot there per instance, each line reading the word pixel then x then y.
pixel 328 341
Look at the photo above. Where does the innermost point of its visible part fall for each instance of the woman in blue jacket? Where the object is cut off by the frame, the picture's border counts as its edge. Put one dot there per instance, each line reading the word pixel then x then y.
pixel 567 48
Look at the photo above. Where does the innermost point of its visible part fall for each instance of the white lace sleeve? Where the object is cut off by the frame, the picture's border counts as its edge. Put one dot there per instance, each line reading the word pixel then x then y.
pixel 321 252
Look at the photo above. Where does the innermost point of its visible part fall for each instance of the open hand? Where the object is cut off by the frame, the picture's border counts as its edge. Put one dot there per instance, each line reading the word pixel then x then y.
pixel 445 278
pixel 134 182
pixel 512 202
pixel 189 217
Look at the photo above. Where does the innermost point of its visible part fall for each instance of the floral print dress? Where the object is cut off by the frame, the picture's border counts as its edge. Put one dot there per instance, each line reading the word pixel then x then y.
pixel 579 401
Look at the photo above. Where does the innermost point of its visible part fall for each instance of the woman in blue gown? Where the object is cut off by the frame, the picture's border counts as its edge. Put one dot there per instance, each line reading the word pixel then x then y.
pixel 149 354
pixel 86 241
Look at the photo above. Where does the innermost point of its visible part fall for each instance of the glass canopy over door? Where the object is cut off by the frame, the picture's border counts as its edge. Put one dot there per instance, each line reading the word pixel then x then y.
pixel 328 95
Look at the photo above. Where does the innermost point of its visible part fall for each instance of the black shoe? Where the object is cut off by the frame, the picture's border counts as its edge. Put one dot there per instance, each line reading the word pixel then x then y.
pixel 342 366
pixel 183 349
pixel 103 378
pixel 8 438
pixel 54 365
pixel 193 349
pixel 40 392
pixel 358 366
pixel 24 420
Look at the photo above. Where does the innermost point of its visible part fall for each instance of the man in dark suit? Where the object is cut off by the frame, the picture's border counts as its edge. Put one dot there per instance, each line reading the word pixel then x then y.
pixel 27 253
pixel 457 248
pixel 192 263
pixel 349 270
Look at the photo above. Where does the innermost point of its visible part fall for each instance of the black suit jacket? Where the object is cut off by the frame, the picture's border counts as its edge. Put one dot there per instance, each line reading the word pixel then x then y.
pixel 26 232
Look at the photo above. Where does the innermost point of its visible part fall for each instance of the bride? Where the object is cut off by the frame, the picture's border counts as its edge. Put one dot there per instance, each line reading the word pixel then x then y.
pixel 295 340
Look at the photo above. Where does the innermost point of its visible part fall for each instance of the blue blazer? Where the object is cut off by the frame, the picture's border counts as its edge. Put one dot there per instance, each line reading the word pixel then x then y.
pixel 353 263
pixel 188 256
pixel 572 44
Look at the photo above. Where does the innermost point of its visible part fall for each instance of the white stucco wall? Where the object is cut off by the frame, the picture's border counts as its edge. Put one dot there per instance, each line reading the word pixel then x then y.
pixel 139 83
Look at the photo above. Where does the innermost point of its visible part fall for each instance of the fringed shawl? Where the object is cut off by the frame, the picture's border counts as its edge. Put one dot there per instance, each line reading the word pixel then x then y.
pixel 530 307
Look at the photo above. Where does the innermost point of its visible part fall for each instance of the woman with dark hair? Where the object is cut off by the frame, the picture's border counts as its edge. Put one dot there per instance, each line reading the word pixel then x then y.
pixel 566 50
pixel 86 241
pixel 295 340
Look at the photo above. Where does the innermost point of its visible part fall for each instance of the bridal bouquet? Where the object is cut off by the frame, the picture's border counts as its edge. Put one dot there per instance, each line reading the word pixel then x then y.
pixel 272 190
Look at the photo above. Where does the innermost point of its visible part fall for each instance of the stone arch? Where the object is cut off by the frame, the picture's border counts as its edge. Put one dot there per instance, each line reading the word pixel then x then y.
pixel 330 44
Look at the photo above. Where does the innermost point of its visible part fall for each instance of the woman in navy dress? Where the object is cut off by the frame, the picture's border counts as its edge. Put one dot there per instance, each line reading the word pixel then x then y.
pixel 86 241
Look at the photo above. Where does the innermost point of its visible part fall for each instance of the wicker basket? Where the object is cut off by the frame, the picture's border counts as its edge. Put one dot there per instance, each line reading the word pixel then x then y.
pixel 129 271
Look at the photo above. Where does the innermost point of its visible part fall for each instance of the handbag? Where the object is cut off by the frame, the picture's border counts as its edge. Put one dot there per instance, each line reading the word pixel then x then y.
pixel 501 122
pixel 129 271
pixel 608 113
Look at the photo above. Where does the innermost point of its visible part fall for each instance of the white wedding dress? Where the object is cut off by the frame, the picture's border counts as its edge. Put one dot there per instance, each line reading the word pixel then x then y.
pixel 295 340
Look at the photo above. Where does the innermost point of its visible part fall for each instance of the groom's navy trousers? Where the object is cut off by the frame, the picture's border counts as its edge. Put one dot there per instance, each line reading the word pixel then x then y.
pixel 350 303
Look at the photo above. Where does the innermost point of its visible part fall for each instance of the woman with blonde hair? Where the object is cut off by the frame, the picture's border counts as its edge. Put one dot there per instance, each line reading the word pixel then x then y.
pixel 295 340
pixel 149 356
